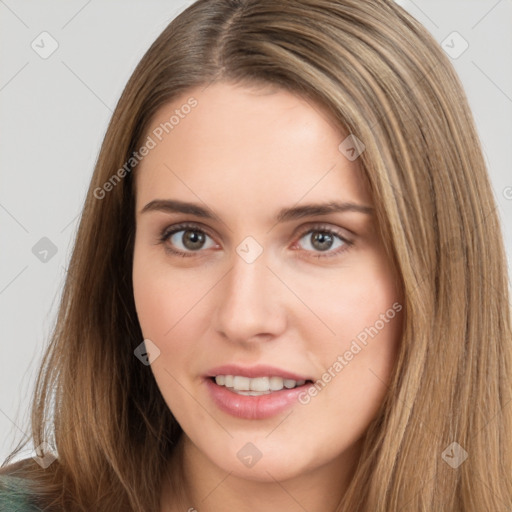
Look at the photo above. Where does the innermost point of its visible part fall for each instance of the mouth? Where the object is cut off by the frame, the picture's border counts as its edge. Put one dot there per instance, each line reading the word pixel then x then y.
pixel 255 392
pixel 257 386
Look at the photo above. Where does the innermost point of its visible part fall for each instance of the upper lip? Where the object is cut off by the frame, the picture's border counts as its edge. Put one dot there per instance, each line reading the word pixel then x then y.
pixel 259 370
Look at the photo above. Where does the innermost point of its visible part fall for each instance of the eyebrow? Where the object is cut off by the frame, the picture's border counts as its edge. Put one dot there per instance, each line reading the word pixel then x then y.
pixel 284 215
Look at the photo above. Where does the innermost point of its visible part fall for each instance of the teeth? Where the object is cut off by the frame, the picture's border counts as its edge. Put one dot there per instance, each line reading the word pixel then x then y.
pixel 257 386
pixel 276 383
pixel 241 383
pixel 289 383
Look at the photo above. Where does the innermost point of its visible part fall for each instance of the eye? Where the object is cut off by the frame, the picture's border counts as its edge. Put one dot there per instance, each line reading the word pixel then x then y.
pixel 186 239
pixel 323 240
pixel 190 240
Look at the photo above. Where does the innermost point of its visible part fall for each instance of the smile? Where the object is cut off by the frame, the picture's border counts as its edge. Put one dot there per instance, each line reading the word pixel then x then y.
pixel 256 392
pixel 256 386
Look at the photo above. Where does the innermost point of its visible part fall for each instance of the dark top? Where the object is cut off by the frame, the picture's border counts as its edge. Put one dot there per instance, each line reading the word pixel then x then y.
pixel 15 496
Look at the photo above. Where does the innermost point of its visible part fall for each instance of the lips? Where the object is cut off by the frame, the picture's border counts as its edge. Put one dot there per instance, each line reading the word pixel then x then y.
pixel 255 392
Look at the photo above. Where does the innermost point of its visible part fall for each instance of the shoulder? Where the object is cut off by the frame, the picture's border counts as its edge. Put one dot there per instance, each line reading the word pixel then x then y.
pixel 15 495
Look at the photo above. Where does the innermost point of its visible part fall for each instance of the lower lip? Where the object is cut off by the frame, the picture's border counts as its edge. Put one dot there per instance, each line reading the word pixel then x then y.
pixel 254 407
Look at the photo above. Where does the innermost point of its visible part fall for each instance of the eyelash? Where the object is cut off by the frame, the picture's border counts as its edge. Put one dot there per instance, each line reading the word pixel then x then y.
pixel 169 231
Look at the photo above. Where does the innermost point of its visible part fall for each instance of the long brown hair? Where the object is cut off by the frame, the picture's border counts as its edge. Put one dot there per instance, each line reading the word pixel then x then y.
pixel 384 79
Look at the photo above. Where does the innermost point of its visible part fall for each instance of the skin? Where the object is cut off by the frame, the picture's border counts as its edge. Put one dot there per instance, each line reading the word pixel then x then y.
pixel 245 153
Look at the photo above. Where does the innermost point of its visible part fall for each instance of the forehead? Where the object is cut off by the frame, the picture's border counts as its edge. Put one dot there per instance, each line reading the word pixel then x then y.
pixel 243 146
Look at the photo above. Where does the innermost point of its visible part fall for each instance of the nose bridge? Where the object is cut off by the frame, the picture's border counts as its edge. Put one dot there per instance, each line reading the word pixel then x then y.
pixel 249 301
pixel 250 277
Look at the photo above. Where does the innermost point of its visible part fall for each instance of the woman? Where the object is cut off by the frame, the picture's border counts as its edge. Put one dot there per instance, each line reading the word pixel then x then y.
pixel 288 289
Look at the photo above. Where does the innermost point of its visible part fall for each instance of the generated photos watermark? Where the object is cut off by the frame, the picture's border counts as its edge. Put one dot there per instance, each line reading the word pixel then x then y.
pixel 150 143
pixel 358 344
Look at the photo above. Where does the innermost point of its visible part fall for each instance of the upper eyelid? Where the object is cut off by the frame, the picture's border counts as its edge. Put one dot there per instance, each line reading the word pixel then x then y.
pixel 183 226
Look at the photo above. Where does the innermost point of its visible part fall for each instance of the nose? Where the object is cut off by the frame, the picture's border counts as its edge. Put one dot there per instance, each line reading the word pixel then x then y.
pixel 250 303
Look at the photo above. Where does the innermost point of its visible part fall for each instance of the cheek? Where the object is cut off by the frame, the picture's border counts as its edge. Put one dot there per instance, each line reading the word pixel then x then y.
pixel 361 303
pixel 362 307
pixel 165 298
pixel 167 304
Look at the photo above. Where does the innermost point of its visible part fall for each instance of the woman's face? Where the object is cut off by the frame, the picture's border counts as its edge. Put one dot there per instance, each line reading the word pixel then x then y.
pixel 260 277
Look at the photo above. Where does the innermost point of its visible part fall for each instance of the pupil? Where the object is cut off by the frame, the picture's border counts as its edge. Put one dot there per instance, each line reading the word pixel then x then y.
pixel 322 241
pixel 193 239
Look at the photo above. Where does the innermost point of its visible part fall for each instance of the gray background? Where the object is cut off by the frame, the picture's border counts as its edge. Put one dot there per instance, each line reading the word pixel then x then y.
pixel 55 112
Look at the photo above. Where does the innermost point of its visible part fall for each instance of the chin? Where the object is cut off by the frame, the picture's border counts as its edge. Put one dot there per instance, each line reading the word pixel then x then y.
pixel 259 459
